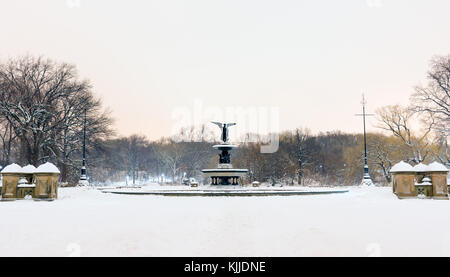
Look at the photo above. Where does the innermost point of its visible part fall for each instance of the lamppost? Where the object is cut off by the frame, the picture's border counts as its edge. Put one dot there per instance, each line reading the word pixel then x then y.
pixel 366 179
pixel 83 178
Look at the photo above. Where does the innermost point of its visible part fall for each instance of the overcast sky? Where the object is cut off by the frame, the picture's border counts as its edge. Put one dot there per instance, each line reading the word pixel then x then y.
pixel 311 59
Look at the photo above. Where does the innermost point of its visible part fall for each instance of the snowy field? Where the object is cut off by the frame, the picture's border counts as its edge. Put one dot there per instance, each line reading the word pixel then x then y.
pixel 363 222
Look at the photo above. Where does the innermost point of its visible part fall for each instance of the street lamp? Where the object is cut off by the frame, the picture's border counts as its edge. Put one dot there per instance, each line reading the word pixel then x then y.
pixel 83 178
pixel 366 179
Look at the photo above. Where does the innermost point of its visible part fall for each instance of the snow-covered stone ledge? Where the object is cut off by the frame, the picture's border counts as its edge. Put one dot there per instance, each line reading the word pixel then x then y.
pixel 29 182
pixel 422 181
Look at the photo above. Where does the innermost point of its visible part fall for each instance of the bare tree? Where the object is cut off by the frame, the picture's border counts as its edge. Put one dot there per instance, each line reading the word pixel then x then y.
pixel 435 97
pixel 136 154
pixel 302 153
pixel 397 120
pixel 7 138
pixel 43 101
pixel 31 91
pixel 171 155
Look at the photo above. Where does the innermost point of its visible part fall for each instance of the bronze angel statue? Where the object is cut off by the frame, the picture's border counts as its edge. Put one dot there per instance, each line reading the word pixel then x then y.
pixel 224 127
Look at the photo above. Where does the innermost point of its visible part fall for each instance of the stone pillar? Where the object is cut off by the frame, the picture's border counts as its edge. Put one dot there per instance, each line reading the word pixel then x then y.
pixel 438 174
pixel 10 178
pixel 46 176
pixel 403 184
pixel 403 179
pixel 439 181
pixel 46 186
pixel 9 185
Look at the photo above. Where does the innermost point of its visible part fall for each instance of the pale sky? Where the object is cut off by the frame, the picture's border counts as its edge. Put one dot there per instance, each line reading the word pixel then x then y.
pixel 311 59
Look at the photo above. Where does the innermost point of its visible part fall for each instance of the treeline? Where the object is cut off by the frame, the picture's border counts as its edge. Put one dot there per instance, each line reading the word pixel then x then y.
pixel 332 158
pixel 301 158
pixel 42 107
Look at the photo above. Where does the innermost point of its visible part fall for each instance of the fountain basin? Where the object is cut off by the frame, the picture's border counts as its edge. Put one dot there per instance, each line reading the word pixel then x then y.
pixel 225 171
pixel 225 146
pixel 222 191
pixel 225 176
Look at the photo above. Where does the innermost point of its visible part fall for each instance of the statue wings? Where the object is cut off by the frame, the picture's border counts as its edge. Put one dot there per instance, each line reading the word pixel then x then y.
pixel 221 125
pixel 218 124
pixel 230 124
pixel 224 128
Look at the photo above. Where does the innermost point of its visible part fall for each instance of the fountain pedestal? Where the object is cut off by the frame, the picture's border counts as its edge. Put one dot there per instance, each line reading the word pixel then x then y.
pixel 225 174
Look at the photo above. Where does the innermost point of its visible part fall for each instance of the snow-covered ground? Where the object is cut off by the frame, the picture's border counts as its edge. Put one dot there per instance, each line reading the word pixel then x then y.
pixel 363 222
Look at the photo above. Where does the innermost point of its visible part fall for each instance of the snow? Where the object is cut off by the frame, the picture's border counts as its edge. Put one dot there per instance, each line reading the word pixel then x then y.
pixel 22 181
pixel 12 168
pixel 222 191
pixel 425 182
pixel 47 168
pixel 437 167
pixel 26 186
pixel 421 168
pixel 402 167
pixel 367 221
pixel 29 169
pixel 225 146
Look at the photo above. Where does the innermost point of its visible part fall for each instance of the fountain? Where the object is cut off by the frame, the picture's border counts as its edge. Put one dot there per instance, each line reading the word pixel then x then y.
pixel 225 174
pixel 224 180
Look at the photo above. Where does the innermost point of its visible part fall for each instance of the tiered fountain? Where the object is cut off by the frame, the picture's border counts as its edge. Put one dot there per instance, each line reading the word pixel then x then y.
pixel 225 174
pixel 224 180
